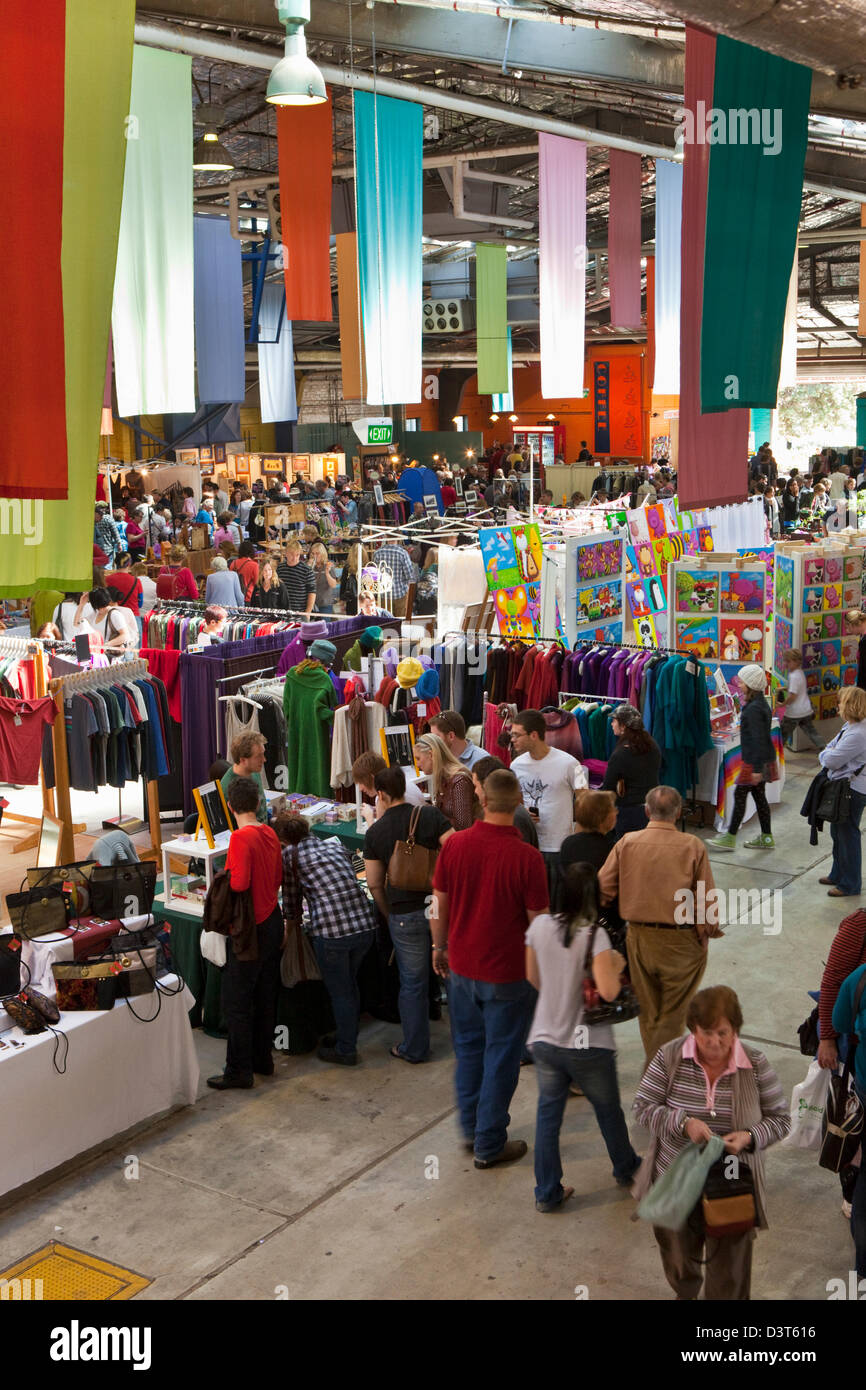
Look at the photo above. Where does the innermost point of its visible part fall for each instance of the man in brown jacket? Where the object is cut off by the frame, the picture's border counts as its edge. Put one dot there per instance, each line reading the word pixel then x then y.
pixel 667 956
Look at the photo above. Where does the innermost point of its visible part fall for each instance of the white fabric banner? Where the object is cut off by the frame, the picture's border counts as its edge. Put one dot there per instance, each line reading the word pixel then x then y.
pixel 561 264
pixel 788 364
pixel 669 216
pixel 276 358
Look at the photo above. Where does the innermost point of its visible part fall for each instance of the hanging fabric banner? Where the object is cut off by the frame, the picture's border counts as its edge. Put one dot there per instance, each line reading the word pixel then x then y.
pixel 304 155
pixel 33 460
pixel 351 336
pixel 52 547
pixel 861 420
pixel 276 358
pixel 626 417
pixel 761 425
pixel 650 319
pixel 669 216
pixel 747 260
pixel 788 365
pixel 219 312
pixel 389 138
pixel 712 449
pixel 624 239
pixel 503 403
pixel 561 264
pixel 154 347
pixel 491 314
pixel 861 328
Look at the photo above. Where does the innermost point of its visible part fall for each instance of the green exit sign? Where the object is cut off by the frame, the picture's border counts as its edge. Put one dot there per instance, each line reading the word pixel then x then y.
pixel 379 434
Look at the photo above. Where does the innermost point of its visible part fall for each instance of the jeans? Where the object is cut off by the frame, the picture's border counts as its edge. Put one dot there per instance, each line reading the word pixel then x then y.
pixel 339 959
pixel 488 1029
pixel 249 1000
pixel 858 1204
pixel 845 871
pixel 759 795
pixel 410 933
pixel 594 1070
pixel 804 722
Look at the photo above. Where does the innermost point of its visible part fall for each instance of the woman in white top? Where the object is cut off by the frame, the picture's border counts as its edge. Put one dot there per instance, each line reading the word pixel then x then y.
pixel 565 1049
pixel 116 625
pixel 65 617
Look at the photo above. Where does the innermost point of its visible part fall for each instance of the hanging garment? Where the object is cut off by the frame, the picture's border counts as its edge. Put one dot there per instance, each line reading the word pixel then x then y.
pixel 22 725
pixel 342 754
pixel 309 702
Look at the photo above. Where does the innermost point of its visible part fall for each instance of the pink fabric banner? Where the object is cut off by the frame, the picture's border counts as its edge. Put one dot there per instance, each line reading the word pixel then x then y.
pixel 623 239
pixel 712 460
pixel 561 264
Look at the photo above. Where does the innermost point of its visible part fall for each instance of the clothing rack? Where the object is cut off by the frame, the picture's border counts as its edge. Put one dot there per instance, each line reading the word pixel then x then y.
pixel 80 682
pixel 30 647
pixel 198 606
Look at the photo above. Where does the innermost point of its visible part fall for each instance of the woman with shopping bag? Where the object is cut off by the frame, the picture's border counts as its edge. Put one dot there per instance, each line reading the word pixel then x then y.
pixel 696 1087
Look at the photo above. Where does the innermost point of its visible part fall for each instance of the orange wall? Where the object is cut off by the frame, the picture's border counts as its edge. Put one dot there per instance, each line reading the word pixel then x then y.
pixel 531 408
pixel 658 423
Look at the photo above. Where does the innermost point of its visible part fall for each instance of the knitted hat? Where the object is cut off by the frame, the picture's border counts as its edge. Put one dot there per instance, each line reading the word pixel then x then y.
pixel 427 687
pixel 409 672
pixel 322 651
pixel 310 631
pixel 371 637
pixel 752 677
pixel 426 662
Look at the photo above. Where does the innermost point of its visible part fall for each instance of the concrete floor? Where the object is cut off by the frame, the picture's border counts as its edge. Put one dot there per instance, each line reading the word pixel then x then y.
pixel 333 1183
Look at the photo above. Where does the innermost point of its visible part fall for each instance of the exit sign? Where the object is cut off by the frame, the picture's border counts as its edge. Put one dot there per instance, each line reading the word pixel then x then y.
pixel 379 434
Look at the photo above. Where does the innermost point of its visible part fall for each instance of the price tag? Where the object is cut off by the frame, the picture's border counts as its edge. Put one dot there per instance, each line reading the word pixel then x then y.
pixel 421 710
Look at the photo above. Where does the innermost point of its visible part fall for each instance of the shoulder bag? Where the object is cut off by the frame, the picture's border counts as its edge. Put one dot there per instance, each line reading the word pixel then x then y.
pixel 298 962
pixel 38 911
pixel 843 1112
pixel 597 1010
pixel 411 865
pixel 728 1203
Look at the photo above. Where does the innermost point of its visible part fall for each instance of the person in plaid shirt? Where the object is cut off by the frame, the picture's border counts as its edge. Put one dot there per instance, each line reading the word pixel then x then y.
pixel 342 924
pixel 394 556
pixel 105 532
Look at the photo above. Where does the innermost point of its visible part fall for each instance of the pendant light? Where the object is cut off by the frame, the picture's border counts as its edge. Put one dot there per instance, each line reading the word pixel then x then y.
pixel 295 81
pixel 209 153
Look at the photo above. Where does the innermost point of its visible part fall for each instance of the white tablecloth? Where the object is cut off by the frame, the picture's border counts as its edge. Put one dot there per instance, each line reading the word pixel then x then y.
pixel 710 771
pixel 119 1072
pixel 40 954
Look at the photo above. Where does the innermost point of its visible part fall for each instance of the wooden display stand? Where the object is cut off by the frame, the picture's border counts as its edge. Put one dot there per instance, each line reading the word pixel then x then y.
pixel 31 648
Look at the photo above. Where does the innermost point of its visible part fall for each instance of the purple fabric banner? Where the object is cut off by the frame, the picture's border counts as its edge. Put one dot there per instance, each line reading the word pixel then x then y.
pixel 562 264
pixel 623 239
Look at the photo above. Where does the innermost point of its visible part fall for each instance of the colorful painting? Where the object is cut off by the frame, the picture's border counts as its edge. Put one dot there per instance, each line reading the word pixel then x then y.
pixel 813 680
pixel 833 569
pixel 784 599
pixel 850 649
pixel 811 655
pixel 853 566
pixel 500 557
pixel 637 525
pixel 831 625
pixel 813 600
pixel 645 632
pixel 831 654
pixel 829 706
pixel 851 595
pixel 699 638
pixel 656 521
pixel 741 640
pixel 832 596
pixel 742 591
pixel 784 640
pixel 631 569
pixel 518 610
pixel 813 570
pixel 691 544
pixel 813 629
pixel 697 591
pixel 603 632
pixel 638 599
pixel 657 597
pixel 595 601
pixel 849 675
pixel 661 556
pixel 705 538
pixel 645 559
pixel 598 560
pixel 527 544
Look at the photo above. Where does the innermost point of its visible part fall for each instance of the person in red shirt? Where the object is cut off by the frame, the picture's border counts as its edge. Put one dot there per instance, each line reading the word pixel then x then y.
pixel 489 885
pixel 247 568
pixel 126 583
pixel 250 987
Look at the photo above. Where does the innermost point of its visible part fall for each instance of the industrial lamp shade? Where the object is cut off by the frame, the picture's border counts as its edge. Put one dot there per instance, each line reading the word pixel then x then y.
pixel 296 81
pixel 210 153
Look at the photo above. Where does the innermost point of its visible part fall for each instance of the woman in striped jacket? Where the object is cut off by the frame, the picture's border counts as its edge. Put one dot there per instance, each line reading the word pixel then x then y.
pixel 704 1084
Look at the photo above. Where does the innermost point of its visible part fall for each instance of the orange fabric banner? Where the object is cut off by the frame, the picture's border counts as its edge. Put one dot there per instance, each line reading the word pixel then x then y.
pixel 861 329
pixel 351 340
pixel 626 418
pixel 304 155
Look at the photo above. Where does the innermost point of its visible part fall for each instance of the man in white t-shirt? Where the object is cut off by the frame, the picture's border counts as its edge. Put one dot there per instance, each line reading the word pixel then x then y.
pixel 548 778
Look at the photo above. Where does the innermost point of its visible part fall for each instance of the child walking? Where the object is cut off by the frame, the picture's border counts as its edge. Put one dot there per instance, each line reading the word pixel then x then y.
pixel 759 762
pixel 798 712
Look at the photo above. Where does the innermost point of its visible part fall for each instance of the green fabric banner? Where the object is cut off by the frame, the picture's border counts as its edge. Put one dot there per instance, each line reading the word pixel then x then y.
pixel 50 544
pixel 756 131
pixel 491 315
pixel 154 344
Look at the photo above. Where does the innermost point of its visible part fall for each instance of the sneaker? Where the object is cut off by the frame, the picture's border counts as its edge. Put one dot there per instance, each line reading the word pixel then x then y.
pixel 343 1059
pixel 726 842
pixel 510 1152
pixel 761 842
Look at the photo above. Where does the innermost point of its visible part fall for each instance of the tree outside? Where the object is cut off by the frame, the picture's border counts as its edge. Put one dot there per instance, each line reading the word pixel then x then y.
pixel 810 417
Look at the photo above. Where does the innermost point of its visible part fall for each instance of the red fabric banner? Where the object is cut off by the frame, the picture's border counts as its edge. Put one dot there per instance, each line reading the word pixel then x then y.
pixel 650 320
pixel 32 357
pixel 712 467
pixel 626 419
pixel 623 239
pixel 304 154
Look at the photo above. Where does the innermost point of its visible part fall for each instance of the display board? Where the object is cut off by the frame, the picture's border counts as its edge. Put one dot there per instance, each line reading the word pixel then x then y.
pixel 814 586
pixel 594 606
pixel 658 535
pixel 512 558
pixel 718 607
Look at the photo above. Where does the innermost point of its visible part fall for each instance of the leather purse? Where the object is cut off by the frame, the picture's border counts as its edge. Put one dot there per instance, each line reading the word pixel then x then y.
pixel 31 1011
pixel 598 1010
pixel 74 879
pixel 134 969
pixel 122 890
pixel 38 911
pixel 728 1203
pixel 843 1111
pixel 411 865
pixel 85 988
pixel 10 964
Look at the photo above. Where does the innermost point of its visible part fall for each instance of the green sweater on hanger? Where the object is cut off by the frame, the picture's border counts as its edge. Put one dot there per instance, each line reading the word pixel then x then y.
pixel 309 701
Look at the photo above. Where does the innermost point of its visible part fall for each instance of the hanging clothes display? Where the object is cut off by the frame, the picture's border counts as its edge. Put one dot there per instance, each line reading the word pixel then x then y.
pixel 309 702
pixel 116 732
pixel 356 731
pixel 22 724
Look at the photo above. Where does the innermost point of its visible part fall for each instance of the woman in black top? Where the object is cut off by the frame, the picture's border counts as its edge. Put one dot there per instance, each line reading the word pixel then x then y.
pixel 270 591
pixel 789 504
pixel 632 770
pixel 758 761
pixel 595 818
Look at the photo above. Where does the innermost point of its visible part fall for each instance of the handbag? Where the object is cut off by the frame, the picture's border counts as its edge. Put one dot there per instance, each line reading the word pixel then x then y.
pixel 843 1113
pixel 31 1011
pixel 411 865
pixel 599 1010
pixel 10 964
pixel 38 911
pixel 728 1203
pixel 73 878
pixel 133 967
pixel 84 988
pixel 298 962
pixel 671 1200
pixel 122 890
pixel 808 1034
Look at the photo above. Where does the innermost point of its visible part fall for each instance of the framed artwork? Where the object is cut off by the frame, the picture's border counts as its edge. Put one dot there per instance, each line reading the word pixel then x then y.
pixel 219 453
pixel 242 465
pixel 206 454
pixel 431 506
pixel 377 493
pixel 300 463
pixel 213 812
pixel 271 464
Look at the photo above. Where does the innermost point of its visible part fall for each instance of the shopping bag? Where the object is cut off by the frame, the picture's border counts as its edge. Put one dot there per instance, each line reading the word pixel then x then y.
pixel 213 947
pixel 674 1196
pixel 808 1105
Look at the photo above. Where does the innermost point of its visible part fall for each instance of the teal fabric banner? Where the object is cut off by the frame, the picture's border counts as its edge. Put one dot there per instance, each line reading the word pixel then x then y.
pixel 505 404
pixel 152 320
pixel 491 314
pixel 761 424
pixel 753 207
pixel 389 139
pixel 861 420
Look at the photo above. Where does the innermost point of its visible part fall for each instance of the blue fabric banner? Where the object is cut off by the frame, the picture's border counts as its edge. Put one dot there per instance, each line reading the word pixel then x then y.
pixel 219 312
pixel 669 217
pixel 388 148
pixel 504 404
pixel 276 357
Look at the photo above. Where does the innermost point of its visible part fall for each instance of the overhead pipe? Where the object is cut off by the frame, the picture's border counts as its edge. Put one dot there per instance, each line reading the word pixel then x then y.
pixel 675 32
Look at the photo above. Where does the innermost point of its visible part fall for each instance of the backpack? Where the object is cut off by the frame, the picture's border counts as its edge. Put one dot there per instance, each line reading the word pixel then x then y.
pixel 166 585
